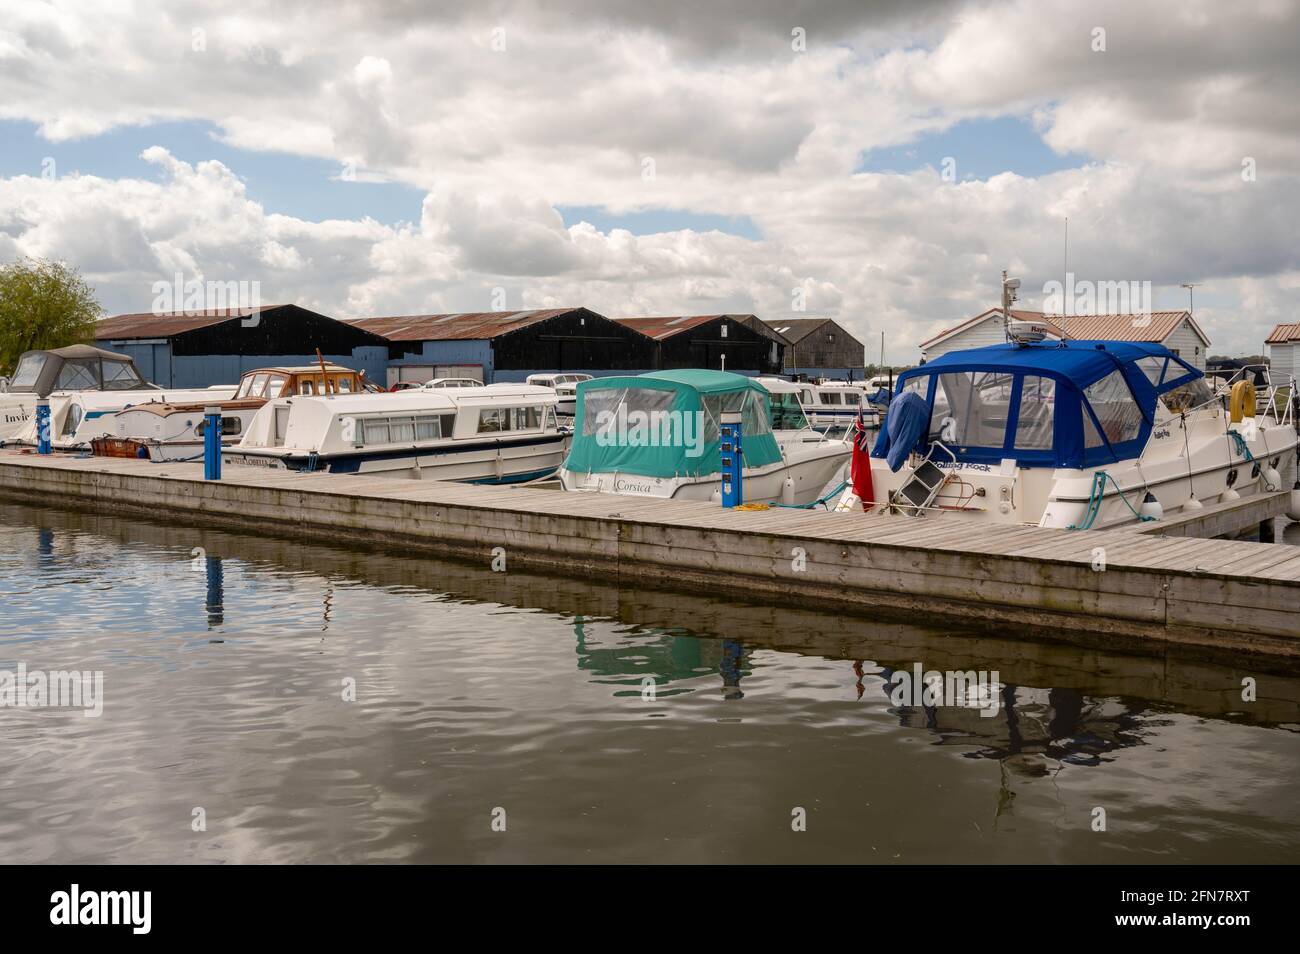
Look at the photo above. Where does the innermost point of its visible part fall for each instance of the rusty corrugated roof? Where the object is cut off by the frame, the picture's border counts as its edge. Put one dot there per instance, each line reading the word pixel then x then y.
pixel 1154 327
pixel 460 326
pixel 665 326
pixel 164 324
pixel 1284 333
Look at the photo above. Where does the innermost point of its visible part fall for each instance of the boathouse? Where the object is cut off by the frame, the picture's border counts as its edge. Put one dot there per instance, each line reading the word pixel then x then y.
pixel 504 346
pixel 714 342
pixel 821 348
pixel 199 349
pixel 1176 330
pixel 1283 344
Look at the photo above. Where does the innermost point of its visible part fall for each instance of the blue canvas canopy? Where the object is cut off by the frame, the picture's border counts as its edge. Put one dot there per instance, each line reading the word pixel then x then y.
pixel 1049 404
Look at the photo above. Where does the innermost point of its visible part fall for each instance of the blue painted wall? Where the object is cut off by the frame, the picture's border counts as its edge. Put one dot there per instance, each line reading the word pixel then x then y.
pixel 159 366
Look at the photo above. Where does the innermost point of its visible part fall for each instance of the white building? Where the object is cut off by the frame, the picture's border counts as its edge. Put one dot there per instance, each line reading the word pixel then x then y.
pixel 1283 345
pixel 1176 330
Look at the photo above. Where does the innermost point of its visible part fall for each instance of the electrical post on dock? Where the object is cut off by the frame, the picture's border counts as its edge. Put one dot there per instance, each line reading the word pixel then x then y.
pixel 732 455
pixel 43 426
pixel 212 443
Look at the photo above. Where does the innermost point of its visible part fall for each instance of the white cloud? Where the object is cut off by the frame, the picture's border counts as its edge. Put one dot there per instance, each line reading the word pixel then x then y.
pixel 737 124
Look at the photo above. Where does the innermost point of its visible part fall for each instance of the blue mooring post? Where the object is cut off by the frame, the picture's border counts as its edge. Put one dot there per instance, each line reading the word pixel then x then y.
pixel 43 426
pixel 212 443
pixel 731 452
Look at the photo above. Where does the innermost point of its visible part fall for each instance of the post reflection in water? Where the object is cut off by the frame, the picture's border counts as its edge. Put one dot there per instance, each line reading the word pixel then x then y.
pixel 215 600
pixel 524 690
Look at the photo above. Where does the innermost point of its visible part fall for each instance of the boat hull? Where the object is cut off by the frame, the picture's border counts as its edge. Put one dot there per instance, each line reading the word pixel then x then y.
pixel 481 462
pixel 798 482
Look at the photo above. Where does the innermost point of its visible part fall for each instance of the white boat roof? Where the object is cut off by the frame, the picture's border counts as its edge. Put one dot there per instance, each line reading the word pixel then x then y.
pixel 779 385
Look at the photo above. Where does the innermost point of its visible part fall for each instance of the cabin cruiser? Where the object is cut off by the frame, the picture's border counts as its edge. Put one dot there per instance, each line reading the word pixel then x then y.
pixel 86 387
pixel 495 434
pixel 1072 434
pixel 169 430
pixel 834 405
pixel 659 435
pixel 565 385
pixel 59 371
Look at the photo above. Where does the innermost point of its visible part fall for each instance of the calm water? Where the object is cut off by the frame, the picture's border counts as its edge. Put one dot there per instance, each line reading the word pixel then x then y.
pixel 476 691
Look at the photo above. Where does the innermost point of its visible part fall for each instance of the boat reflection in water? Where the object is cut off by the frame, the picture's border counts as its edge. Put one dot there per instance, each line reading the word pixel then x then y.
pixel 616 722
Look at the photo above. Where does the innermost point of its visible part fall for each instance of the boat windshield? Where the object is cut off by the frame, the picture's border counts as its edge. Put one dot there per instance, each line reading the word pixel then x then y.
pixel 787 412
pixel 29 369
pixel 121 376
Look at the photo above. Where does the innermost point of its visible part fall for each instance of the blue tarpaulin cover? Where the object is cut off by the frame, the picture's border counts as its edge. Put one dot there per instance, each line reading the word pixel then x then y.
pixel 906 425
pixel 1148 370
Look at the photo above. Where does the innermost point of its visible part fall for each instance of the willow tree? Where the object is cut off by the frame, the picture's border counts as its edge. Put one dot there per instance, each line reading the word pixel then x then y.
pixel 43 305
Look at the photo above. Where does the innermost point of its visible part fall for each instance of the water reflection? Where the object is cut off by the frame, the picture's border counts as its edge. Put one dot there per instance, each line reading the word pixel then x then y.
pixel 480 688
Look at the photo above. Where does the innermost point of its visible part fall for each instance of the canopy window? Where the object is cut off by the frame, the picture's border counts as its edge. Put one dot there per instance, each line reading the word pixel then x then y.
pixel 1117 413
pixel 121 376
pixel 1036 415
pixel 29 369
pixel 78 375
pixel 787 412
pixel 602 405
pixel 971 408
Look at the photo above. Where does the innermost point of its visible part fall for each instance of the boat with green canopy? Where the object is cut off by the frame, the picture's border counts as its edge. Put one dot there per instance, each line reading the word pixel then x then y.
pixel 659 435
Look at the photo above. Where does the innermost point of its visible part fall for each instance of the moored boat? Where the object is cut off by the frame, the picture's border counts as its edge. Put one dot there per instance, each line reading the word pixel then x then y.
pixel 658 435
pixel 565 384
pixel 1076 435
pixel 171 430
pixel 499 433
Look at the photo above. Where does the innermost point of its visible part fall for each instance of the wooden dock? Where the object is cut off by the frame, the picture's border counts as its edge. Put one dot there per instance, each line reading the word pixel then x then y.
pixel 1116 587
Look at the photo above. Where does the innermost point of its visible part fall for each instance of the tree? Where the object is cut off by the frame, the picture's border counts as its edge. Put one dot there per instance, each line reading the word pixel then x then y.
pixel 43 305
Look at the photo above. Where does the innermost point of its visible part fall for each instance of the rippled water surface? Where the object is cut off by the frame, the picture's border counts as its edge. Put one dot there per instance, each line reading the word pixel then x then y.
pixel 484 695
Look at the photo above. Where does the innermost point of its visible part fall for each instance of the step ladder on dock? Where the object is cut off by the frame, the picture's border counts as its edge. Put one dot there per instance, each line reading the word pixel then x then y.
pixel 917 493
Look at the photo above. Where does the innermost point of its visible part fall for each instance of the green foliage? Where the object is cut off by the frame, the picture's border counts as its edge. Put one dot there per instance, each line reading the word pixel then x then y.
pixel 43 305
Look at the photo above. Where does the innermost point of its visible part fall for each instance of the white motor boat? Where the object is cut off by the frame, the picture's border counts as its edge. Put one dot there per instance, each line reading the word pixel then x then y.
pixel 60 372
pixel 565 384
pixel 169 430
pixel 835 405
pixel 498 433
pixel 658 435
pixel 1076 435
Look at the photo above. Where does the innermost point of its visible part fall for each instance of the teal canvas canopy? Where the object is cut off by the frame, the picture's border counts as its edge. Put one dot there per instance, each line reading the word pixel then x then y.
pixel 667 424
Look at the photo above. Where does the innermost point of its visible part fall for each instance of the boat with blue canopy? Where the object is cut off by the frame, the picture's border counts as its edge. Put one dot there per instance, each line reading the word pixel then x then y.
pixel 1075 434
pixel 659 435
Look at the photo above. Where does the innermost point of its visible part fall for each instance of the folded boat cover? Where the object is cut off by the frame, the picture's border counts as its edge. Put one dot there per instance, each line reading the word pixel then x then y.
pixel 906 424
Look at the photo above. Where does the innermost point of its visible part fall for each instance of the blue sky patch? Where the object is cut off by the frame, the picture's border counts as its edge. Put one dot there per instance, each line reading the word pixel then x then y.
pixel 981 148
pixel 300 186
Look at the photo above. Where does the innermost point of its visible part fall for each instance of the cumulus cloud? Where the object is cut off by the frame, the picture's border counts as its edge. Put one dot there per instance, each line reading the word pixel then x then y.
pixel 572 107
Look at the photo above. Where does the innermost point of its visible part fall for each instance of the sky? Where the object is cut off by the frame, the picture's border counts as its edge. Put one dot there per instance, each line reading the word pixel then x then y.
pixel 880 163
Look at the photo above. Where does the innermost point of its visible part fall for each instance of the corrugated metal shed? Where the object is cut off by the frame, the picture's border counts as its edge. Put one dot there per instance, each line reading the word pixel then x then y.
pixel 165 324
pixel 666 326
pixel 1284 333
pixel 462 326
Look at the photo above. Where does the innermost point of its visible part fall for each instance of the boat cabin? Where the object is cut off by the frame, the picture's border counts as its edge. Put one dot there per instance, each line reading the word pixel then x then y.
pixel 307 380
pixel 76 368
pixel 1072 404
